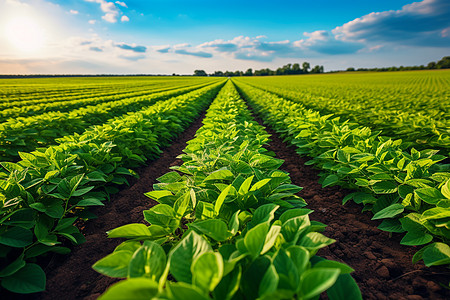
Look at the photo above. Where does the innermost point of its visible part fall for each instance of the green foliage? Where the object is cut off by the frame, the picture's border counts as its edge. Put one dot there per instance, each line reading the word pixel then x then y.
pixel 234 226
pixel 48 190
pixel 409 189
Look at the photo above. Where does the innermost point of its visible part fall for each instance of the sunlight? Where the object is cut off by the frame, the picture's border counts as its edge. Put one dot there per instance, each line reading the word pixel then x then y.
pixel 25 34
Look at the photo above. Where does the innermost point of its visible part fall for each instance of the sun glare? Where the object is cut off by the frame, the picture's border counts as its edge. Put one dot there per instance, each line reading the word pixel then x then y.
pixel 25 34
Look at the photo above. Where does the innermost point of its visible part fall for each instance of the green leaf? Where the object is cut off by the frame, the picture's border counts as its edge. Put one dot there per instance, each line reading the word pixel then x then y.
pixel 445 189
pixel 263 214
pixel 148 261
pixel 271 238
pixel 269 282
pixel 213 228
pixel 344 288
pixel 260 184
pixel 170 177
pixel 385 187
pixel 207 271
pixel 27 280
pixel 330 264
pixel 391 225
pixel 314 241
pixel 389 212
pixel 299 256
pixel 287 271
pixel 133 288
pixel 17 237
pixel 436 254
pixel 245 186
pixel 181 205
pixel 219 175
pixel 13 267
pixel 429 195
pixel 184 254
pixel 255 238
pixel 82 191
pixel 233 225
pixel 229 285
pixel 90 202
pixel 221 199
pixel 183 291
pixel 130 231
pixel 96 176
pixel 115 264
pixel 415 238
pixel 317 280
pixel 329 180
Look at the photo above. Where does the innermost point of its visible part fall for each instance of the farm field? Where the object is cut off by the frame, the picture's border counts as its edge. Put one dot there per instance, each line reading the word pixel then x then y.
pixel 335 184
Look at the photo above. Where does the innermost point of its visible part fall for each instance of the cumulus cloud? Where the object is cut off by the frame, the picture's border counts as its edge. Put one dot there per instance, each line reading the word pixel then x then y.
pixel 422 23
pixel 124 19
pixel 73 12
pixel 111 11
pixel 162 49
pixel 321 41
pixel 133 47
pixel 193 53
pixel 92 22
pixel 123 4
pixel 248 48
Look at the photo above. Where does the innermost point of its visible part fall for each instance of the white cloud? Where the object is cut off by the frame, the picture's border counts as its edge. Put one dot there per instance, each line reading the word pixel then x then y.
pixel 417 24
pixel 110 17
pixel 124 19
pixel 111 11
pixel 92 22
pixel 123 4
pixel 74 12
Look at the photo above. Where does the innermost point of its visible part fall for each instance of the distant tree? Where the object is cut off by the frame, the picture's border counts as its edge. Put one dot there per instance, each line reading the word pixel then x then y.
pixel 200 73
pixel 351 69
pixel 317 69
pixel 249 72
pixel 218 73
pixel 444 63
pixel 296 69
pixel 306 66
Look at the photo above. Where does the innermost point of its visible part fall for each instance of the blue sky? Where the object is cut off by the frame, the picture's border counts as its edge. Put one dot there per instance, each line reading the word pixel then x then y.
pixel 175 36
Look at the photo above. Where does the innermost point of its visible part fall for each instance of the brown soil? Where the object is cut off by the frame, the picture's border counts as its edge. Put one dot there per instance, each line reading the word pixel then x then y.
pixel 383 268
pixel 71 277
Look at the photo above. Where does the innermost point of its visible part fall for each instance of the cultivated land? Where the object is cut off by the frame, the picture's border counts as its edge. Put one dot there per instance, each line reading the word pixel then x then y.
pixel 282 190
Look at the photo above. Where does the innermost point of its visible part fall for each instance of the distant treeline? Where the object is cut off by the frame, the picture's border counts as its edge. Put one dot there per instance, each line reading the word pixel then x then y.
pixel 444 63
pixel 289 69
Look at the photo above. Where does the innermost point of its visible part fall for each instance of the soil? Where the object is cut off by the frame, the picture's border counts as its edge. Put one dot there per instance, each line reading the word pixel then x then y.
pixel 383 268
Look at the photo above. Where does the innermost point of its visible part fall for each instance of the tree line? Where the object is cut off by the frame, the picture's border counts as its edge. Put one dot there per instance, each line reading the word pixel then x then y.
pixel 289 69
pixel 444 63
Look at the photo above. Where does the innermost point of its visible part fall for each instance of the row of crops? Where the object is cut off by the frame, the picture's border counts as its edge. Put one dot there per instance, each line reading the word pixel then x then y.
pixel 228 223
pixel 413 106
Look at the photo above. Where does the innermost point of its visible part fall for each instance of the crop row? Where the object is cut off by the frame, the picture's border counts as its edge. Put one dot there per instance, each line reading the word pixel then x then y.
pixel 403 105
pixel 66 104
pixel 26 134
pixel 410 191
pixel 43 195
pixel 55 89
pixel 228 225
